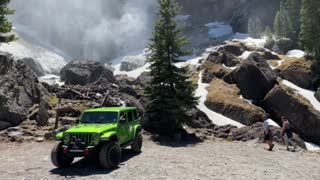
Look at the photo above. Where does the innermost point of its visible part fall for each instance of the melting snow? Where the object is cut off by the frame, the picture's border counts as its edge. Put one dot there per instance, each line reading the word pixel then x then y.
pixel 312 147
pixel 248 100
pixel 296 53
pixel 231 68
pixel 216 118
pixel 245 38
pixel 245 55
pixel 51 79
pixel 309 95
pixel 218 29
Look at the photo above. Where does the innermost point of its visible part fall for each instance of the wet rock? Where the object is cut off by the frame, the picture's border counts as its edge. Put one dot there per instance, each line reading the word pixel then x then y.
pixel 34 66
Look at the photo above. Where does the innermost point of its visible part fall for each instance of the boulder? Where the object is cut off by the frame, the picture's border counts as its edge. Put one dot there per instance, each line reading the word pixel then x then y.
pixel 34 66
pixel 303 117
pixel 224 57
pixel 128 90
pixel 198 119
pixel 42 114
pixel 123 80
pixel 254 72
pixel 143 79
pixel 317 94
pixel 4 125
pixel 130 63
pixel 297 71
pixel 233 48
pixel 82 73
pixel 225 99
pixel 19 90
pixel 212 71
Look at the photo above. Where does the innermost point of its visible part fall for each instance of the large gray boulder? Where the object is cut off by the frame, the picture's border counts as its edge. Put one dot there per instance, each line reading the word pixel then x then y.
pixel 19 91
pixel 84 72
pixel 304 118
pixel 254 77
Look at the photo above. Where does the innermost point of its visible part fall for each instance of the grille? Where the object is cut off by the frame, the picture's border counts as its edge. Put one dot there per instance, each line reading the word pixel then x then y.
pixel 84 138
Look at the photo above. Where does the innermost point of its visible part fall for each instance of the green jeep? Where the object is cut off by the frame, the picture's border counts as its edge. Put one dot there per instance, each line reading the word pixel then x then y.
pixel 103 132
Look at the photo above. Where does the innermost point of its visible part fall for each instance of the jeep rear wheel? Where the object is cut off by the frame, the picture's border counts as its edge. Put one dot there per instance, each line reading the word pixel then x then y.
pixel 137 143
pixel 110 155
pixel 58 158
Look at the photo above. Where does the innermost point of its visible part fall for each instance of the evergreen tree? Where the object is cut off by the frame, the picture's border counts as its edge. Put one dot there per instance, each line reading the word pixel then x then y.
pixel 255 28
pixel 310 27
pixel 5 25
pixel 282 24
pixel 293 7
pixel 170 91
pixel 270 41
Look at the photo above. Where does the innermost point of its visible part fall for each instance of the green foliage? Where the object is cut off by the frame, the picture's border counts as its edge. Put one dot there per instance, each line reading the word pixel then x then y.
pixel 5 24
pixel 282 23
pixel 310 27
pixel 255 28
pixel 270 40
pixel 170 91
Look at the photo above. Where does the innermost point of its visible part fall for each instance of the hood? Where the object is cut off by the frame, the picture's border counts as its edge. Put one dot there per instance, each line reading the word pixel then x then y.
pixel 92 128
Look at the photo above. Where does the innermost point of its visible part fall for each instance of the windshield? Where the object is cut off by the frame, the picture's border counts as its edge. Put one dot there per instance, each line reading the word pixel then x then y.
pixel 99 117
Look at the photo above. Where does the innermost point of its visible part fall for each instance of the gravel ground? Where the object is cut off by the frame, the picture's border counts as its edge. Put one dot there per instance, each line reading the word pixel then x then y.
pixel 207 160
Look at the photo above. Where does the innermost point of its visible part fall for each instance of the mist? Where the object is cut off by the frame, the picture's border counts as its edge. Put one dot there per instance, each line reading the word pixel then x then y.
pixel 97 29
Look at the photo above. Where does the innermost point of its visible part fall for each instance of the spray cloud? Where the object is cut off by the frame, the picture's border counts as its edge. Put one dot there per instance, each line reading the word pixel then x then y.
pixel 96 29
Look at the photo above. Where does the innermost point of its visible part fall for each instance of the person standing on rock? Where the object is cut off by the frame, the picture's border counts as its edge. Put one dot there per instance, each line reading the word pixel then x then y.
pixel 287 133
pixel 268 137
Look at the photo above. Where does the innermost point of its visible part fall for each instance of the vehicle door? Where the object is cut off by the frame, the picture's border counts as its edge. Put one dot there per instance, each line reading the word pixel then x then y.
pixel 131 118
pixel 123 128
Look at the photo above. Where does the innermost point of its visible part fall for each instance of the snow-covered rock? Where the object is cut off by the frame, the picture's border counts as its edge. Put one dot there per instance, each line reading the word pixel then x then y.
pixel 216 118
pixel 296 53
pixel 245 38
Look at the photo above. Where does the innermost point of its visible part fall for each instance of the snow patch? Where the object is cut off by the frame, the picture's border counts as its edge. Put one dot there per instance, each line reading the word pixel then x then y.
pixel 312 147
pixel 218 29
pixel 309 95
pixel 245 38
pixel 51 79
pixel 245 55
pixel 272 123
pixel 216 118
pixel 231 68
pixel 296 53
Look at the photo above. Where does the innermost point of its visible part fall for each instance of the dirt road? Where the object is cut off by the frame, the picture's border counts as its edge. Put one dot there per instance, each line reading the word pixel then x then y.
pixel 207 160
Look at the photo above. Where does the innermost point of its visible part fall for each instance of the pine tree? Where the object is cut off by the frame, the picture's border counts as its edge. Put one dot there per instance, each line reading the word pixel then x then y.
pixel 283 23
pixel 293 7
pixel 255 28
pixel 270 41
pixel 5 25
pixel 310 27
pixel 170 91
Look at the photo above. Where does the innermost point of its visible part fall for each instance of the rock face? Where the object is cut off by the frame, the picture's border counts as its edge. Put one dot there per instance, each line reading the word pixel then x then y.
pixel 33 66
pixel 82 73
pixel 298 71
pixel 305 120
pixel 223 57
pixel 255 72
pixel 130 63
pixel 225 99
pixel 212 71
pixel 19 90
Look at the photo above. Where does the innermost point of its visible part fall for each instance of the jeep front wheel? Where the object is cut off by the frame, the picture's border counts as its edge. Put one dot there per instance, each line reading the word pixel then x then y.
pixel 110 155
pixel 137 143
pixel 58 158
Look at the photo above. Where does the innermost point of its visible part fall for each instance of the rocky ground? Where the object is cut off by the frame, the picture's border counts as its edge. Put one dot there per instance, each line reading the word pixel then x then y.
pixel 211 159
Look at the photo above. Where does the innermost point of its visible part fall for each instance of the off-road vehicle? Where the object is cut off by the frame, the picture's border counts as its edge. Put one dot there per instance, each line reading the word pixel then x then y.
pixel 103 132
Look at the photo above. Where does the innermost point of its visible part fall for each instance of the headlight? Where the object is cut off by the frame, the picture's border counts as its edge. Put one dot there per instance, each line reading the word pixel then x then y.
pixel 95 137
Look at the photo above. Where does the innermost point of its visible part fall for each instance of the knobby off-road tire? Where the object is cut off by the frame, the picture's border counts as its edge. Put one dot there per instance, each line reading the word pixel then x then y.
pixel 58 158
pixel 110 155
pixel 137 143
